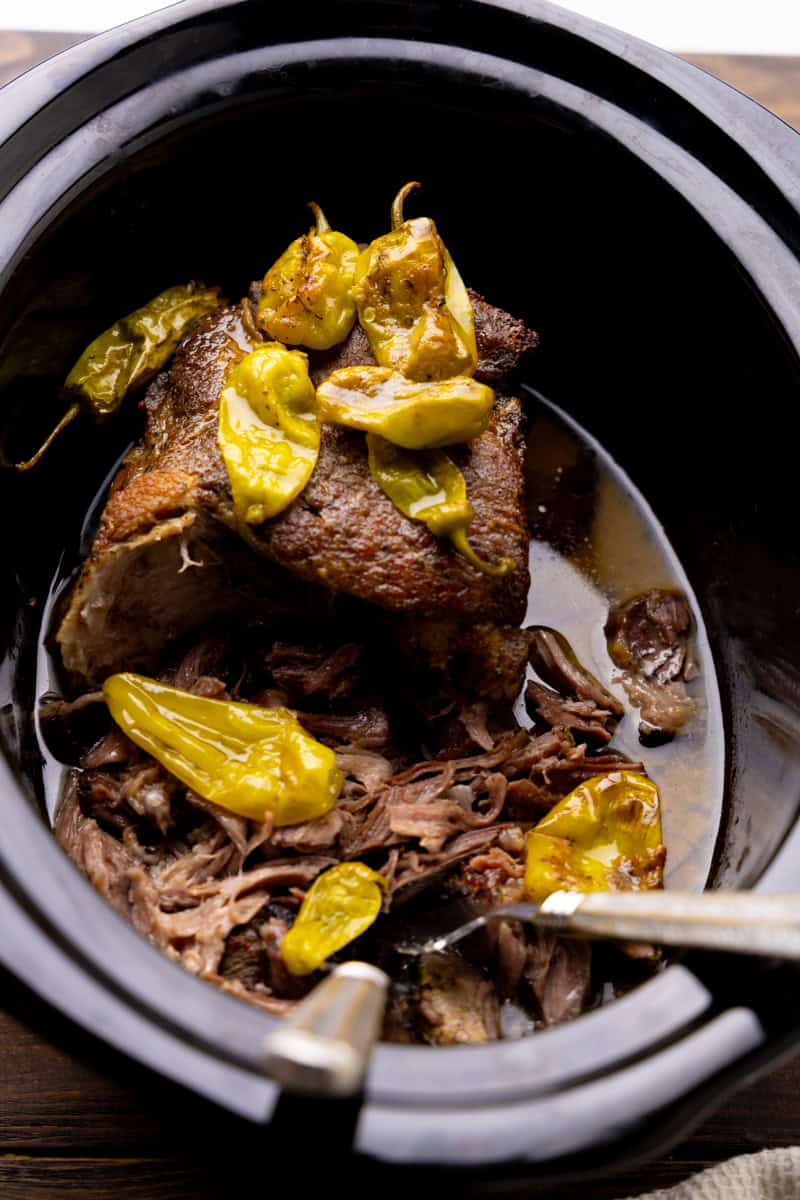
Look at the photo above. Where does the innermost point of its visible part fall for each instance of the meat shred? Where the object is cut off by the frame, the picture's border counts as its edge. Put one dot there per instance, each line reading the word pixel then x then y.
pixel 217 892
pixel 648 638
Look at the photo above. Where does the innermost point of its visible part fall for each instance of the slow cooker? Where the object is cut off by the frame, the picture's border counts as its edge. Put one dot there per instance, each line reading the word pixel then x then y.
pixel 645 218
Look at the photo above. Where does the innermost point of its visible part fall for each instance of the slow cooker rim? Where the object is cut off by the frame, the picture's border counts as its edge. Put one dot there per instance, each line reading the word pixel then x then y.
pixel 773 249
pixel 717 103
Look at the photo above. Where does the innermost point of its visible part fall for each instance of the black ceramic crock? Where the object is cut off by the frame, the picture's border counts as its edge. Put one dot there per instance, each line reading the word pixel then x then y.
pixel 639 213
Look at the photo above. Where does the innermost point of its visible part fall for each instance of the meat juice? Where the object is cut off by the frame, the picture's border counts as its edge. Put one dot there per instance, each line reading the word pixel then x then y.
pixel 595 543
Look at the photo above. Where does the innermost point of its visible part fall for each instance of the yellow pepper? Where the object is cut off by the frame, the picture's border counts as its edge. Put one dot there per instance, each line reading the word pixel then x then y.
pixel 412 302
pixel 268 430
pixel 130 353
pixel 339 906
pixel 604 836
pixel 427 486
pixel 413 415
pixel 306 297
pixel 257 762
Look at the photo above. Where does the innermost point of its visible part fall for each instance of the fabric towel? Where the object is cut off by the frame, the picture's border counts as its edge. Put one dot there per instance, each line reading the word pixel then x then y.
pixel 770 1175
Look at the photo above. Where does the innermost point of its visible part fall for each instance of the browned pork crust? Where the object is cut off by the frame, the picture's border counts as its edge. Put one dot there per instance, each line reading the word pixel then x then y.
pixel 168 555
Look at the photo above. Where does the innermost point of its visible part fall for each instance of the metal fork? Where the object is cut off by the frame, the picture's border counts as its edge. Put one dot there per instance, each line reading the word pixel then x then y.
pixel 323 1048
pixel 737 922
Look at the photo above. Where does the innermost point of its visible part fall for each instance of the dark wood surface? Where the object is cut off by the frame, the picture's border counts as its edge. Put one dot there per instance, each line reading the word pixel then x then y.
pixel 79 1120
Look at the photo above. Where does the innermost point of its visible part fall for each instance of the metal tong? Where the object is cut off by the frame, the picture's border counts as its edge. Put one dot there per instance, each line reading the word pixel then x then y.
pixel 324 1046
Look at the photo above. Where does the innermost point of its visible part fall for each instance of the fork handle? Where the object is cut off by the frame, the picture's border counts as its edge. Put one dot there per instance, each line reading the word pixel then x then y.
pixel 323 1047
pixel 738 922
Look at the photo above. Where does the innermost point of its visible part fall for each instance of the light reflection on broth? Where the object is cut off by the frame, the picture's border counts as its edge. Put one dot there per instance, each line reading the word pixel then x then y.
pixel 596 543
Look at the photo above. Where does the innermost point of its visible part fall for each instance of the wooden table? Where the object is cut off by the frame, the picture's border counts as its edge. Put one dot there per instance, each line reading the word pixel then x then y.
pixel 77 1119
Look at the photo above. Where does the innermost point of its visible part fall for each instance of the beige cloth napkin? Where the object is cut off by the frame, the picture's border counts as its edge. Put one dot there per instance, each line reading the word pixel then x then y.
pixel 770 1175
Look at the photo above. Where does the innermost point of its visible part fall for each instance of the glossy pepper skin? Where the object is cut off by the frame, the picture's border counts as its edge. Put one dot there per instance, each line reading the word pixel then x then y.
pixel 413 415
pixel 604 836
pixel 339 906
pixel 306 297
pixel 427 486
pixel 268 430
pixel 412 302
pixel 128 355
pixel 257 762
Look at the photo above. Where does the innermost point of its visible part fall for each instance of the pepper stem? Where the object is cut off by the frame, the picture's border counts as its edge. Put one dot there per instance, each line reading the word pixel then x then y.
pixel 322 223
pixel 399 200
pixel 461 542
pixel 68 417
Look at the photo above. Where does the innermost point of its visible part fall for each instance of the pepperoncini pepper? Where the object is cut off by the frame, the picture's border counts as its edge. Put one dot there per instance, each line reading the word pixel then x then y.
pixel 412 302
pixel 130 353
pixel 257 762
pixel 427 486
pixel 268 430
pixel 306 297
pixel 412 415
pixel 339 906
pixel 604 836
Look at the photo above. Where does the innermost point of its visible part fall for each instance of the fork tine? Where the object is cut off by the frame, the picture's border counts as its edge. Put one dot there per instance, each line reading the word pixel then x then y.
pixel 433 945
pixel 442 941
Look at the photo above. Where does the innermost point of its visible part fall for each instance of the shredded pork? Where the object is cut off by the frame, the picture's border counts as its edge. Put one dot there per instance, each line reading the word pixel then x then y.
pixel 217 892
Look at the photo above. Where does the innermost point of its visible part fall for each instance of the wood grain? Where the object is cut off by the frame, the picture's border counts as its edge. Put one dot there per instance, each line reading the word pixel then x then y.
pixel 45 1178
pixel 79 1120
